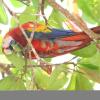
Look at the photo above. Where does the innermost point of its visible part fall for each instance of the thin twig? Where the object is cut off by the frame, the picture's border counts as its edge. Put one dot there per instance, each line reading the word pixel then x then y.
pixel 26 3
pixel 42 3
pixel 29 42
pixel 10 11
pixel 73 70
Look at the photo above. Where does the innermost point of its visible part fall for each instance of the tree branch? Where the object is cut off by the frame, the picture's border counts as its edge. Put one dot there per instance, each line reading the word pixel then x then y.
pixel 26 3
pixel 42 3
pixel 74 19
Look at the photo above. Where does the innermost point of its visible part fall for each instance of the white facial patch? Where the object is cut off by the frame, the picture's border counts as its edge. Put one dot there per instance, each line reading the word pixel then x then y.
pixel 7 41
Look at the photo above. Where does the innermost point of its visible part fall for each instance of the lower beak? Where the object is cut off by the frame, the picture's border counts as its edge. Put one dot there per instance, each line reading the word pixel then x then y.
pixel 7 51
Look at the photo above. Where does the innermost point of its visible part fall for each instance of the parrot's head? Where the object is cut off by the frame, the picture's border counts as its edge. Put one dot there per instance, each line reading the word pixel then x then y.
pixel 9 45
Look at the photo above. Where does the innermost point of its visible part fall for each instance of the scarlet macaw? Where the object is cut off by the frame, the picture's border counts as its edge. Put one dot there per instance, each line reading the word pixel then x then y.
pixel 48 42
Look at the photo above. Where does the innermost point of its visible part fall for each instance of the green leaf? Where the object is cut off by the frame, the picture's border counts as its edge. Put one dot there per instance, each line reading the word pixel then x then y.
pixel 89 19
pixel 48 59
pixel 3 59
pixel 13 22
pixel 3 15
pixel 95 60
pixel 92 62
pixel 27 15
pixel 53 82
pixel 91 67
pixel 88 51
pixel 11 83
pixel 16 3
pixel 72 83
pixel 58 70
pixel 56 19
pixel 35 5
pixel 90 10
pixel 41 78
pixel 79 82
pixel 57 83
pixel 87 63
pixel 58 78
pixel 17 60
pixel 83 83
pixel 0 44
pixel 93 74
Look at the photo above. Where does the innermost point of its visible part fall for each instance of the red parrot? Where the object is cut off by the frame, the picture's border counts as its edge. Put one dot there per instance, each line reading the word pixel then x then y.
pixel 48 42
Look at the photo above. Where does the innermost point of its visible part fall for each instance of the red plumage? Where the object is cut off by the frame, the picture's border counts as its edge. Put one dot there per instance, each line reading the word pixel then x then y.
pixel 50 43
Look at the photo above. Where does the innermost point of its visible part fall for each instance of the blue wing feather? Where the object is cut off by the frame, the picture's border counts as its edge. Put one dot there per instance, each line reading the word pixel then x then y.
pixel 55 33
pixel 58 33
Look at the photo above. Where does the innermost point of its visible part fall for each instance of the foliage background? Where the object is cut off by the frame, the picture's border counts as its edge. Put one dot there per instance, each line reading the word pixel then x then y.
pixel 83 76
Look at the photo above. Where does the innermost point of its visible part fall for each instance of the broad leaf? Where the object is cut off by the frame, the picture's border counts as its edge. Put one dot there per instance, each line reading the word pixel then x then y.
pixel 17 3
pixel 3 59
pixel 3 15
pixel 27 15
pixel 11 83
pixel 90 10
pixel 41 78
pixel 92 62
pixel 91 67
pixel 53 82
pixel 88 51
pixel 35 5
pixel 56 19
pixel 0 44
pixel 58 78
pixel 91 73
pixel 48 59
pixel 17 60
pixel 72 83
pixel 13 22
pixel 83 83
